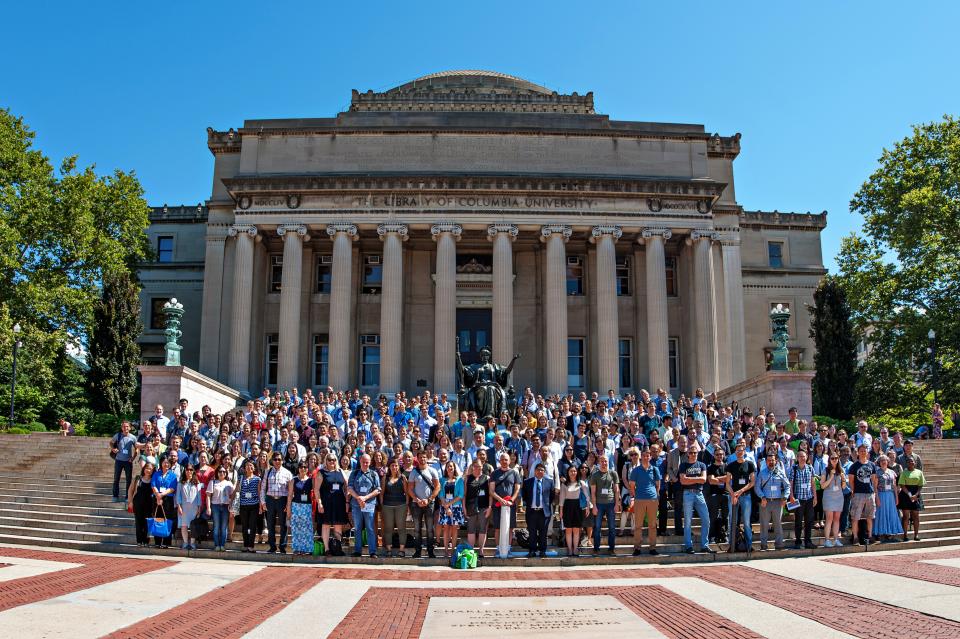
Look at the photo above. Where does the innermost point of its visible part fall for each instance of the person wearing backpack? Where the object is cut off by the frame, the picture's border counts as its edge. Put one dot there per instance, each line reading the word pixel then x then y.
pixel 742 474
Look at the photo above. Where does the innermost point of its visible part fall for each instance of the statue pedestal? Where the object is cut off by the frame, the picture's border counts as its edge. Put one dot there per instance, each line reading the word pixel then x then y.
pixel 777 391
pixel 166 385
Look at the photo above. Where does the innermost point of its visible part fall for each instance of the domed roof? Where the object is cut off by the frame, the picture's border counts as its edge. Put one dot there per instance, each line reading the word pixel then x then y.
pixel 463 77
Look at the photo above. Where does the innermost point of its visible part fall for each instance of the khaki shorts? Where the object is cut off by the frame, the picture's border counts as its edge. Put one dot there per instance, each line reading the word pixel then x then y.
pixel 477 524
pixel 862 506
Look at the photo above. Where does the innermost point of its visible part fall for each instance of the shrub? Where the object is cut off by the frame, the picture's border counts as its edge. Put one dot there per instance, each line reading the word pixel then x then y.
pixel 17 430
pixel 103 424
pixel 36 427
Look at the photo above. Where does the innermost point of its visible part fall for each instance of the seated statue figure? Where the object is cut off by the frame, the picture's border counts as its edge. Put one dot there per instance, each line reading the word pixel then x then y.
pixel 482 386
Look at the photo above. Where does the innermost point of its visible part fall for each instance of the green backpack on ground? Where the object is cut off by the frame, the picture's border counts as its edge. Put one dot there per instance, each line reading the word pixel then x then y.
pixel 467 559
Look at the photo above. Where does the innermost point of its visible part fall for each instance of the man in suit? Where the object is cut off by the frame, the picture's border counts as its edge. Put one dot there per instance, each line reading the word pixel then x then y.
pixel 538 498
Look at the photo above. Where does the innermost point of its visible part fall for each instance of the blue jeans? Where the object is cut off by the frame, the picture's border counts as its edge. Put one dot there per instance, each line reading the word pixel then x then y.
pixel 608 510
pixel 743 508
pixel 693 500
pixel 221 516
pixel 365 521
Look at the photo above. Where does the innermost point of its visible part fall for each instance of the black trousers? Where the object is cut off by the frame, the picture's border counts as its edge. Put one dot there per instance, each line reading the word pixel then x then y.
pixel 677 507
pixel 537 525
pixel 718 516
pixel 662 511
pixel 250 524
pixel 126 467
pixel 276 509
pixel 142 511
pixel 803 519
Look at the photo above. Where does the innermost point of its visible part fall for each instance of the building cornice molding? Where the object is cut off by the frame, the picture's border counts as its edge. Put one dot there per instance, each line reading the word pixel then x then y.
pixel 238 229
pixel 647 234
pixel 349 229
pixel 696 235
pixel 597 232
pixel 400 229
pixel 440 228
pixel 299 229
pixel 562 230
pixel 510 230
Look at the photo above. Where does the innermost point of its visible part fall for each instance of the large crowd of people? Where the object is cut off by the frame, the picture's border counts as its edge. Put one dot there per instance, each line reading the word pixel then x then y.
pixel 407 476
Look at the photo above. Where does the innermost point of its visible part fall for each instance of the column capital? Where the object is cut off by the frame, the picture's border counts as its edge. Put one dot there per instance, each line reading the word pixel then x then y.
pixel 597 232
pixel 646 234
pixel 400 229
pixel 237 229
pixel 300 230
pixel 697 235
pixel 445 227
pixel 560 229
pixel 510 230
pixel 349 229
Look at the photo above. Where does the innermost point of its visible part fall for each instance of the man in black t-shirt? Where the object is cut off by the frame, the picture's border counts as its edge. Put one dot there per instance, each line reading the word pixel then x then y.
pixel 504 488
pixel 476 503
pixel 717 498
pixel 742 473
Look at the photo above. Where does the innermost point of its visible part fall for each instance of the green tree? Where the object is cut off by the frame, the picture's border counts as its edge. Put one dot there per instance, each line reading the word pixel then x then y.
pixel 901 274
pixel 61 232
pixel 114 353
pixel 835 358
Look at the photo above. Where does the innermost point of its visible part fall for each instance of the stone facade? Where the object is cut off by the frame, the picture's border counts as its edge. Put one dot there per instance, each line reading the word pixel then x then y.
pixel 352 250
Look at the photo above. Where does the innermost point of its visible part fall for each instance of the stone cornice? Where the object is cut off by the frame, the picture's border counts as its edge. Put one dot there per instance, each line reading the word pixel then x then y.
pixel 510 230
pixel 350 230
pixel 446 227
pixel 299 229
pixel 723 147
pixel 697 235
pixel 555 229
pixel 789 221
pixel 223 141
pixel 400 229
pixel 599 231
pixel 647 234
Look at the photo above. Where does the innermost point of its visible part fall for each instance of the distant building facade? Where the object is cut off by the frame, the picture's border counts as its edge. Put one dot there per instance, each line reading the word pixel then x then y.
pixel 354 251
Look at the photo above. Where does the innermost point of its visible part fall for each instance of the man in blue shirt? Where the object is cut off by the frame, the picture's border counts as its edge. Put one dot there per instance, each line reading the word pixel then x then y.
pixel 121 448
pixel 645 486
pixel 772 487
pixel 363 487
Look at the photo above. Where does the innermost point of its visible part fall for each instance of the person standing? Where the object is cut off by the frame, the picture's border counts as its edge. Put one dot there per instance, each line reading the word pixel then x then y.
pixel 274 493
pixel 363 488
pixel 834 482
pixel 863 477
pixel 451 503
pixel 674 458
pixel 718 482
pixel 504 487
pixel 605 497
pixel 423 487
pixel 803 490
pixel 248 487
pixel 188 503
pixel 742 474
pixel 911 483
pixel 538 500
pixel 476 503
pixel 393 502
pixel 122 449
pixel 574 502
pixel 772 486
pixel 220 494
pixel 645 487
pixel 887 523
pixel 332 507
pixel 140 502
pixel 693 476
pixel 164 485
pixel 300 500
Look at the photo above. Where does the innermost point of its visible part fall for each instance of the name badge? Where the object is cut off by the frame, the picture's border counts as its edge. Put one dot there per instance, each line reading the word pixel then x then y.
pixel 334 487
pixel 742 482
pixel 304 497
pixel 606 492
pixel 481 493
pixel 248 495
pixel 775 491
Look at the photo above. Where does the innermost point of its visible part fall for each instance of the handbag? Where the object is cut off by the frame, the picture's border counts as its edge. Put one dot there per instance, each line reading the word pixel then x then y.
pixel 160 526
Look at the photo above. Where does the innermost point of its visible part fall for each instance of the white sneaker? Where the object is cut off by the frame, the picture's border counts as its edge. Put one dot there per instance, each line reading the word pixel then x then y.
pixel 828 544
pixel 837 543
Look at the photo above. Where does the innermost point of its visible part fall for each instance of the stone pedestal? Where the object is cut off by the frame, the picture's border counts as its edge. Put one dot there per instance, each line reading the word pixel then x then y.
pixel 168 384
pixel 777 391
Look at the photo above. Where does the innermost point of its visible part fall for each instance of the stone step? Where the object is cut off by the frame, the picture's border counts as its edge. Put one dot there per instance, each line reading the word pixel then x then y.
pixel 112 510
pixel 98 503
pixel 119 519
pixel 72 535
pixel 67 524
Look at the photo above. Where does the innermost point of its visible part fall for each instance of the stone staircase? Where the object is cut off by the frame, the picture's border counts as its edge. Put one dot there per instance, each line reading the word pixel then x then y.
pixel 56 492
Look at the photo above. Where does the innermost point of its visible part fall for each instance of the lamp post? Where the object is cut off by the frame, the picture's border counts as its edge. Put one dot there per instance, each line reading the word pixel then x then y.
pixel 932 349
pixel 779 317
pixel 13 378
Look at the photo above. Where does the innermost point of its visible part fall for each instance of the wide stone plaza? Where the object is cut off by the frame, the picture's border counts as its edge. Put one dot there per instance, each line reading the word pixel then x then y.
pixel 76 595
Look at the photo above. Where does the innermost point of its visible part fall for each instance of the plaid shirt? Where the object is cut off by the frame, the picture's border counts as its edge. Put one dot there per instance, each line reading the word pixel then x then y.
pixel 802 478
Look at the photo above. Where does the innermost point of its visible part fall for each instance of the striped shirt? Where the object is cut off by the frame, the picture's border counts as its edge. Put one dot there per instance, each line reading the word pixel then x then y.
pixel 276 482
pixel 802 477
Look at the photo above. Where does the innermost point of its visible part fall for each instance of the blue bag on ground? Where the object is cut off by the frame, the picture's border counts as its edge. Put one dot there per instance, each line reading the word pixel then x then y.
pixel 455 556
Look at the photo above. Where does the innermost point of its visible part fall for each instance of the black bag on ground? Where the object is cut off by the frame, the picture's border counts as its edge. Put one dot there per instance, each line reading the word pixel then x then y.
pixel 523 537
pixel 200 529
pixel 336 547
pixel 740 541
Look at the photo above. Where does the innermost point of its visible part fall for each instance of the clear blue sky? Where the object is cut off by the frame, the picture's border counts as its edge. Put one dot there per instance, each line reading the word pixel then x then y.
pixel 816 89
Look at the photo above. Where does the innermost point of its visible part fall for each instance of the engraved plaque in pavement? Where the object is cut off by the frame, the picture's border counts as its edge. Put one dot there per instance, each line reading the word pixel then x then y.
pixel 555 617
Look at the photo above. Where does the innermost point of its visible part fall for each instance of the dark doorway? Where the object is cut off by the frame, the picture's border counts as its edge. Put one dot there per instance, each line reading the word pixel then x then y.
pixel 473 329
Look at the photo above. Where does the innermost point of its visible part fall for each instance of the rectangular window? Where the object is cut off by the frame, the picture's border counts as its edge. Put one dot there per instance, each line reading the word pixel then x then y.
pixel 272 357
pixel 372 275
pixel 321 359
pixel 576 369
pixel 775 253
pixel 276 272
pixel 626 363
pixel 574 275
pixel 673 360
pixel 369 360
pixel 324 273
pixel 165 249
pixel 156 313
pixel 623 276
pixel 671 272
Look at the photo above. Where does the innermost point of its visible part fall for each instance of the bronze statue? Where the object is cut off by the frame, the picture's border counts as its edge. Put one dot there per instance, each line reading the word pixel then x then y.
pixel 484 387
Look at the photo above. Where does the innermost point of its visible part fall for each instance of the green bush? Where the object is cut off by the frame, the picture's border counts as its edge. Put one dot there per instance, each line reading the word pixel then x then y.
pixel 103 424
pixel 36 427
pixel 17 430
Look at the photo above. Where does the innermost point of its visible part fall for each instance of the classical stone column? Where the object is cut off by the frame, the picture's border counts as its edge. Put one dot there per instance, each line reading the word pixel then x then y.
pixel 658 353
pixel 555 307
pixel 291 289
pixel 391 307
pixel 445 307
pixel 704 310
pixel 608 316
pixel 502 236
pixel 212 313
pixel 342 347
pixel 239 377
pixel 733 289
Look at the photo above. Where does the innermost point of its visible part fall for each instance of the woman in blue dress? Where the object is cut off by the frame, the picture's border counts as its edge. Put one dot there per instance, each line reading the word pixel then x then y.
pixel 300 511
pixel 164 484
pixel 451 502
pixel 887 522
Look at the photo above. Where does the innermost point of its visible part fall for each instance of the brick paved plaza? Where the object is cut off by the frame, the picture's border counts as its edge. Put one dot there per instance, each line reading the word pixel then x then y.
pixel 76 594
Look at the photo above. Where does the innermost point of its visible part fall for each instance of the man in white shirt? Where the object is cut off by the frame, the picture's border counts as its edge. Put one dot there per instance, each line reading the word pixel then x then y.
pixel 862 436
pixel 273 501
pixel 160 421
